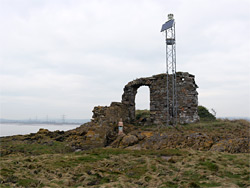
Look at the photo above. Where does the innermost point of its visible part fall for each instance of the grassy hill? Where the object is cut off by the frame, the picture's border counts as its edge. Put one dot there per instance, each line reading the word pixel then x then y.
pixel 45 162
pixel 126 168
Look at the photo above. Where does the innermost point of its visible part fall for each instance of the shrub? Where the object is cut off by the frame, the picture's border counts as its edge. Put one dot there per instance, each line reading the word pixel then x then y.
pixel 204 114
pixel 141 114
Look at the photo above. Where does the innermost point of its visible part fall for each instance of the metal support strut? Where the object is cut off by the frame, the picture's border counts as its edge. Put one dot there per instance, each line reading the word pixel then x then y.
pixel 169 28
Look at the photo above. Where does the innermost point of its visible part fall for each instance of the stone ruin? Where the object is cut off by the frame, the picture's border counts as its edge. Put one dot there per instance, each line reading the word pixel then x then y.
pixel 187 101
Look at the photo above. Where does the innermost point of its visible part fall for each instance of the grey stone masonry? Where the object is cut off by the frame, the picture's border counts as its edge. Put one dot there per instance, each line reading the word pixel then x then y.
pixel 187 100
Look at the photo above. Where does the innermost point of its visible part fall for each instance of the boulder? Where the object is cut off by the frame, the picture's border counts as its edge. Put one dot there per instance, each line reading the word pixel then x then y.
pixel 135 147
pixel 43 131
pixel 90 135
pixel 116 142
pixel 237 145
pixel 200 141
pixel 128 140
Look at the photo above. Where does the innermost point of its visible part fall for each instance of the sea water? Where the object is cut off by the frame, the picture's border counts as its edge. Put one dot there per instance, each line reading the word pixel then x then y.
pixel 10 129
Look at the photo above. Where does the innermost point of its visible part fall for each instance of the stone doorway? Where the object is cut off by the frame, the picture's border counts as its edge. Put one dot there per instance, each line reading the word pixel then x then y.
pixel 142 98
pixel 130 91
pixel 142 105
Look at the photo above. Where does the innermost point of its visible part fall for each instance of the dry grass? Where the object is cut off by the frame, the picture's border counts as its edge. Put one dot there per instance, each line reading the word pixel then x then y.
pixel 26 163
pixel 126 168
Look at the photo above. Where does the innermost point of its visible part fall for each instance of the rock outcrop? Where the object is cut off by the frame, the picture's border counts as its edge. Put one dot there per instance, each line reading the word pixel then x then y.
pixel 221 136
pixel 235 145
pixel 197 141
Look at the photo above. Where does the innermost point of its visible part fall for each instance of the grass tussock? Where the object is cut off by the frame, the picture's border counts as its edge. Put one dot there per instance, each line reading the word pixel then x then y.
pixel 45 163
pixel 126 168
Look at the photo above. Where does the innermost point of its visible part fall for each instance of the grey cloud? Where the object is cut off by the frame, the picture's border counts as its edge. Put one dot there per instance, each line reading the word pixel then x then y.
pixel 67 56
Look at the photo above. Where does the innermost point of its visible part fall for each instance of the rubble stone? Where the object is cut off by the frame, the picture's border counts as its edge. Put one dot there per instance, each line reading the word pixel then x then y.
pixel 128 140
pixel 236 145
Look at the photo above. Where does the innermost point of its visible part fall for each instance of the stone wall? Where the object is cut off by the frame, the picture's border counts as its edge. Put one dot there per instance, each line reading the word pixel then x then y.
pixel 187 100
pixel 104 115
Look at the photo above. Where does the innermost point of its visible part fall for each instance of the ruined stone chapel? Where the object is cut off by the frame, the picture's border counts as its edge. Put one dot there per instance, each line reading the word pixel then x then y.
pixel 187 101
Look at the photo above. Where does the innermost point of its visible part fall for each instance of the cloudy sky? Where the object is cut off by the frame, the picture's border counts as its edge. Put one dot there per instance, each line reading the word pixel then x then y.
pixel 65 57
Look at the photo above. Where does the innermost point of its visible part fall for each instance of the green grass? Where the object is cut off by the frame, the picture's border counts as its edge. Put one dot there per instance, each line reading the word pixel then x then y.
pixel 6 172
pixel 231 175
pixel 136 172
pixel 240 184
pixel 88 159
pixel 105 153
pixel 139 114
pixel 40 163
pixel 105 180
pixel 112 167
pixel 147 178
pixel 192 175
pixel 28 183
pixel 36 148
pixel 210 184
pixel 210 165
pixel 74 161
pixel 229 157
pixel 154 168
pixel 170 184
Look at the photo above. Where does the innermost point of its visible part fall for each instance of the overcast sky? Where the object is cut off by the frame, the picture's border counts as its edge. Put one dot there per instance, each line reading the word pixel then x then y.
pixel 67 56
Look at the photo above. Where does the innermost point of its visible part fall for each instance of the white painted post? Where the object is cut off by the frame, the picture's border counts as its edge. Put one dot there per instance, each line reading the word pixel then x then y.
pixel 120 127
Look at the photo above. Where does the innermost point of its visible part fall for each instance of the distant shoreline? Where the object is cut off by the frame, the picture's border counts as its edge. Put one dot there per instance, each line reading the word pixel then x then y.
pixel 43 123
pixel 51 122
pixel 234 118
pixel 11 129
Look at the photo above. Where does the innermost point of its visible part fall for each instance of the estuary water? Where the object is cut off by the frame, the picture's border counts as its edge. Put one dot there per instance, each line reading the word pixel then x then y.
pixel 10 129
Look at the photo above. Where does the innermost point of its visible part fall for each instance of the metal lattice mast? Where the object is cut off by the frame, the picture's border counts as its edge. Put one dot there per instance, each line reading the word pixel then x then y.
pixel 169 28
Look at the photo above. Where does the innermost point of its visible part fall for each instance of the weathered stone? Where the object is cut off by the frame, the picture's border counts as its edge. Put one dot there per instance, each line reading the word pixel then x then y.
pixel 169 159
pixel 135 147
pixel 237 145
pixel 147 133
pixel 117 141
pixel 43 131
pixel 90 136
pixel 128 140
pixel 187 99
pixel 112 114
pixel 199 141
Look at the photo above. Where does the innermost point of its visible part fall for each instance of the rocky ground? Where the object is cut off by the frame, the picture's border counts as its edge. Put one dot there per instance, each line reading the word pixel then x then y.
pixel 208 154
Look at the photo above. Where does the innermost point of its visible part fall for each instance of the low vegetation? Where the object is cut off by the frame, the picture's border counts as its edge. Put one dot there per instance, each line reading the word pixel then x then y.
pixel 126 168
pixel 203 112
pixel 205 115
pixel 141 114
pixel 37 161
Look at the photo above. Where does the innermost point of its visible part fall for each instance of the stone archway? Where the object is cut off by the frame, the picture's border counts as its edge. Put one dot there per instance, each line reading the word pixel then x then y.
pixel 130 91
pixel 187 101
pixel 187 98
pixel 142 98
